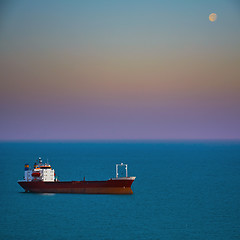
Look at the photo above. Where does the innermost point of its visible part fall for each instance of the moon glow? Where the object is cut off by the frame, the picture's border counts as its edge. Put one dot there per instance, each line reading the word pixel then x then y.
pixel 212 17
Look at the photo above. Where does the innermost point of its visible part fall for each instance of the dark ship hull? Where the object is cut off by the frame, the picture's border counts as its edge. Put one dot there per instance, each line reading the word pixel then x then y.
pixel 111 186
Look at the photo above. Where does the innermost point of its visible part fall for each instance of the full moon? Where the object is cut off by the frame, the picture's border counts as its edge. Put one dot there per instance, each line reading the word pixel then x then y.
pixel 212 17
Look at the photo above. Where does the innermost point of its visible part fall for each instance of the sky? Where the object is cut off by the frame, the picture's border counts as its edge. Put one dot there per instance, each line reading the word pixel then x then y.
pixel 85 70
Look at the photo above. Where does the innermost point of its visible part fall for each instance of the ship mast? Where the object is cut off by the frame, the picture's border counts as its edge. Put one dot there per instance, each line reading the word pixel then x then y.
pixel 121 165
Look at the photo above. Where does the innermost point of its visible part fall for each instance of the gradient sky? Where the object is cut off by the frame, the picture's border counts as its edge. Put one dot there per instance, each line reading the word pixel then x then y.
pixel 119 70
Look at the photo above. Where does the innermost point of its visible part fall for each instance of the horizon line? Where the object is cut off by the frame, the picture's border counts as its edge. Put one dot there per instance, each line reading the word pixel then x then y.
pixel 119 140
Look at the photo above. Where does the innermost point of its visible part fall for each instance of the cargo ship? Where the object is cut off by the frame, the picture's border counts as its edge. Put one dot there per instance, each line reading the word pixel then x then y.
pixel 42 179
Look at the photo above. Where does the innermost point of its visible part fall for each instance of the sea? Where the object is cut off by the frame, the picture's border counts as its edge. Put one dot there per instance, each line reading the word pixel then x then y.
pixel 183 190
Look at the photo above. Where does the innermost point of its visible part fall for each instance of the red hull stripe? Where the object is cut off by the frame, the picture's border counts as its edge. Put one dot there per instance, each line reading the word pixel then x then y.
pixel 101 187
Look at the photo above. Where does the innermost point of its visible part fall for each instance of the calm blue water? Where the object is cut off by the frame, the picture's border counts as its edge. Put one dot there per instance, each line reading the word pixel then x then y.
pixel 183 190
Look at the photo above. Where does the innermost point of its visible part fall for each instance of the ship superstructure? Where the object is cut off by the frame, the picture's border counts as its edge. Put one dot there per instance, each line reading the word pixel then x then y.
pixel 41 179
pixel 40 172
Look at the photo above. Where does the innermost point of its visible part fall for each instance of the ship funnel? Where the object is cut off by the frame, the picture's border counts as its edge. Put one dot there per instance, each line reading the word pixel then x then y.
pixel 26 166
